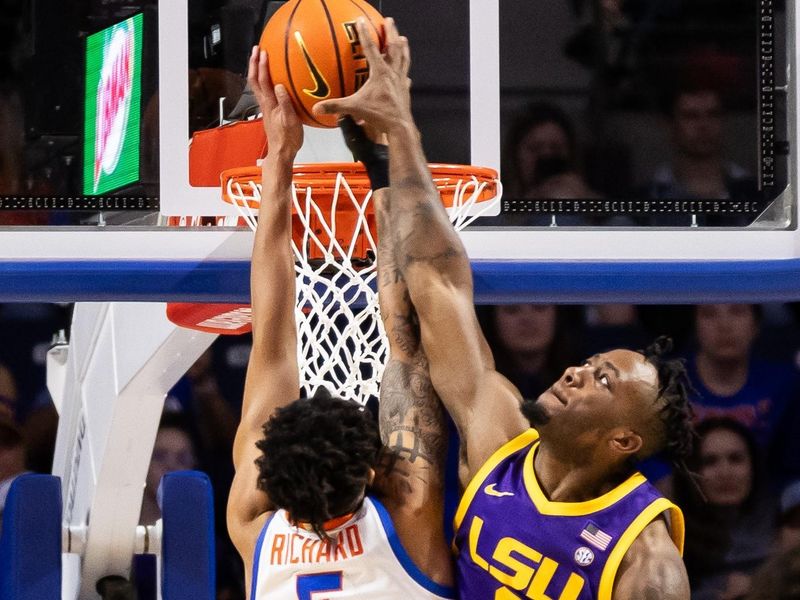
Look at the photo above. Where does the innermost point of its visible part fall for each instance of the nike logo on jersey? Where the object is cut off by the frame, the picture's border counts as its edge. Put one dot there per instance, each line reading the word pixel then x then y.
pixel 490 491
pixel 322 89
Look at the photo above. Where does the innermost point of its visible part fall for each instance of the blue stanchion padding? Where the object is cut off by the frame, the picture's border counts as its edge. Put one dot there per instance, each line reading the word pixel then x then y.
pixel 30 543
pixel 187 541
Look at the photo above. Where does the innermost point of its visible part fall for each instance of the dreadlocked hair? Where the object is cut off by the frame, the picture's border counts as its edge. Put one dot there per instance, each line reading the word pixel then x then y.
pixel 677 435
pixel 316 457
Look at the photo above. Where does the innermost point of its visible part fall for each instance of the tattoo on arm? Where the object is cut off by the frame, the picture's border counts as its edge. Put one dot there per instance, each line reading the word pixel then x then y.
pixel 422 242
pixel 412 424
pixel 389 272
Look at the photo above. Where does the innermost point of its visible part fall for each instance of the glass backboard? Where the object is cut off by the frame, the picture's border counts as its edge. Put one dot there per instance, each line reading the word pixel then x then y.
pixel 625 133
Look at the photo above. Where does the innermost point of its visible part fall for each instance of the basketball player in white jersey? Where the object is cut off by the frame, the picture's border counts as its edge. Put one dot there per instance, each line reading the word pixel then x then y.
pixel 322 503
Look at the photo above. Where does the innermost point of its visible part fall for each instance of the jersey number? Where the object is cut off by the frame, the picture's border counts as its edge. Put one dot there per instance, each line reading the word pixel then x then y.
pixel 307 585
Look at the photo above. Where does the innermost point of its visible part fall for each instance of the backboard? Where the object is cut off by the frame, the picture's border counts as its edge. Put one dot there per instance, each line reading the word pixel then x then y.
pixel 614 196
pixel 492 61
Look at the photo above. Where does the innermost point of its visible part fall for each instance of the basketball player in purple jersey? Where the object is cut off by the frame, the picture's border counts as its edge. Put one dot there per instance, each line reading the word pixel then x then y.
pixel 553 506
pixel 300 512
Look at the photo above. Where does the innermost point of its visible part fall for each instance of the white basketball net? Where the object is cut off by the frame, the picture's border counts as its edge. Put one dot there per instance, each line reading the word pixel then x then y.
pixel 341 341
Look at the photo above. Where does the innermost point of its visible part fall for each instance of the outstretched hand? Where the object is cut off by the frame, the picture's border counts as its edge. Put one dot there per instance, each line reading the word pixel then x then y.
pixel 281 123
pixel 384 101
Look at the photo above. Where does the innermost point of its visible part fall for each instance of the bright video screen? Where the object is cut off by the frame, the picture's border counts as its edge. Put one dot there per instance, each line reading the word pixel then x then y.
pixel 112 107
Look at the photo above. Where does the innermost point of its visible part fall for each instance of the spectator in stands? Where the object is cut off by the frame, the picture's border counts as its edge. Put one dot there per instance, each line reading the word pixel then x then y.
pixel 613 326
pixel 530 342
pixel 173 451
pixel 779 578
pixel 790 516
pixel 698 169
pixel 731 382
pixel 785 446
pixel 542 162
pixel 543 156
pixel 8 391
pixel 731 533
pixel 211 422
pixel 11 144
pixel 12 454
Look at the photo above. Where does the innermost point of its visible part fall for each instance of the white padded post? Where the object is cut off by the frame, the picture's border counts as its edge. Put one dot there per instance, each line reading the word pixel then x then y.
pixel 122 360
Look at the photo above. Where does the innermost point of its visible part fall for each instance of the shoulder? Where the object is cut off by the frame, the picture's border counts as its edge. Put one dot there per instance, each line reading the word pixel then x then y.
pixel 652 568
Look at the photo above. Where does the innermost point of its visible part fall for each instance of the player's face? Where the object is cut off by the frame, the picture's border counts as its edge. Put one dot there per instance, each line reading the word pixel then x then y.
pixel 608 391
pixel 726 471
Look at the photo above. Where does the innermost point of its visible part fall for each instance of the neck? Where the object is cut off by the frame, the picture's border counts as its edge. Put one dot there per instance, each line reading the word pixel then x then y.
pixel 702 176
pixel 723 377
pixel 327 525
pixel 573 480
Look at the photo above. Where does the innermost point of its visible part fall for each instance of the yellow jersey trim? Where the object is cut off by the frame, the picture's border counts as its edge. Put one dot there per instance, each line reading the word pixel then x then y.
pixel 646 517
pixel 574 509
pixel 524 439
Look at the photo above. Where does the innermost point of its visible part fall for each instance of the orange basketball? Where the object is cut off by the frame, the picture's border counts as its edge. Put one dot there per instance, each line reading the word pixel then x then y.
pixel 314 51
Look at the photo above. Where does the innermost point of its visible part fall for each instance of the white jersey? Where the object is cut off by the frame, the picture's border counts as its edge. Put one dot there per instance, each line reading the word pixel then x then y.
pixel 366 560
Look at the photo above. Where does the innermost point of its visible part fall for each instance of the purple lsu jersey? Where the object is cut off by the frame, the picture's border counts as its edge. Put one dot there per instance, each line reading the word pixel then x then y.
pixel 512 542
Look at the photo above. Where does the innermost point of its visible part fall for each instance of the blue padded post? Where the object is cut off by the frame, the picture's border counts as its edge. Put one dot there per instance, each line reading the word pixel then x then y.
pixel 187 541
pixel 30 543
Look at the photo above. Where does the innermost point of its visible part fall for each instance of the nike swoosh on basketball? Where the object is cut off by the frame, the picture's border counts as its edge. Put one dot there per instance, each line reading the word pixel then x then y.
pixel 322 89
pixel 490 491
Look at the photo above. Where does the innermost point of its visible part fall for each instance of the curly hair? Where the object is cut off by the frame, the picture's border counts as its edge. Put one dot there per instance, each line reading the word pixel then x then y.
pixel 317 456
pixel 675 415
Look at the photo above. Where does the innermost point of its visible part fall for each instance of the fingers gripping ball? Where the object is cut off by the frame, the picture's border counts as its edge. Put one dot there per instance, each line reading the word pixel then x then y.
pixel 315 52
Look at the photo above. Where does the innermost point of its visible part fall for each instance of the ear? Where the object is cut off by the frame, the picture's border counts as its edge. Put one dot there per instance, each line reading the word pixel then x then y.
pixel 370 476
pixel 625 441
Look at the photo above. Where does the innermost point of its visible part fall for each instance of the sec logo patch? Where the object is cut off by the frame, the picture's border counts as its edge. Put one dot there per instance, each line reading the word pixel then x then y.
pixel 584 556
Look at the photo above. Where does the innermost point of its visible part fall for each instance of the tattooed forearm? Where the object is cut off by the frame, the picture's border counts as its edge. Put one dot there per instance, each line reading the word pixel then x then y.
pixel 393 474
pixel 404 332
pixel 414 183
pixel 389 273
pixel 409 446
pixel 421 240
pixel 411 417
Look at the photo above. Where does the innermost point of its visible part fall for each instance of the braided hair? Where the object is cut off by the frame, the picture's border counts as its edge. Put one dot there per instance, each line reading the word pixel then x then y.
pixel 317 456
pixel 675 416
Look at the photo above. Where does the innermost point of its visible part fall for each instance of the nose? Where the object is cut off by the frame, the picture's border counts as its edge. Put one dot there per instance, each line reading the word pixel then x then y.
pixel 573 376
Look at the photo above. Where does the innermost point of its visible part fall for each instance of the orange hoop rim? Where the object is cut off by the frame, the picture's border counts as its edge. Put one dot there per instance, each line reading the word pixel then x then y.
pixel 321 178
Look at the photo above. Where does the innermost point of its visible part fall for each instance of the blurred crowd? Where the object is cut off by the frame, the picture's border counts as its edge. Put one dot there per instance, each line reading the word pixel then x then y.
pixel 543 161
pixel 742 506
pixel 645 99
pixel 667 85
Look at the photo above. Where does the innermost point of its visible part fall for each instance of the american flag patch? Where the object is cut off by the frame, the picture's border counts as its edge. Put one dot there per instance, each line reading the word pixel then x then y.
pixel 596 536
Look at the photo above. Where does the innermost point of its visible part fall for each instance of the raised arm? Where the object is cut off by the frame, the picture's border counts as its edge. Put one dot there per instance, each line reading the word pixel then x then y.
pixel 272 373
pixel 433 262
pixel 410 475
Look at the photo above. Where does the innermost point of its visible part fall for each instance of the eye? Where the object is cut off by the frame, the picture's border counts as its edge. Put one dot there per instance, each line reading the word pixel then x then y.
pixel 605 380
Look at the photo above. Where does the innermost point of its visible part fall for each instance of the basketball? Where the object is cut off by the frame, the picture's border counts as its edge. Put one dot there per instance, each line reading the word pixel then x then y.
pixel 314 51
